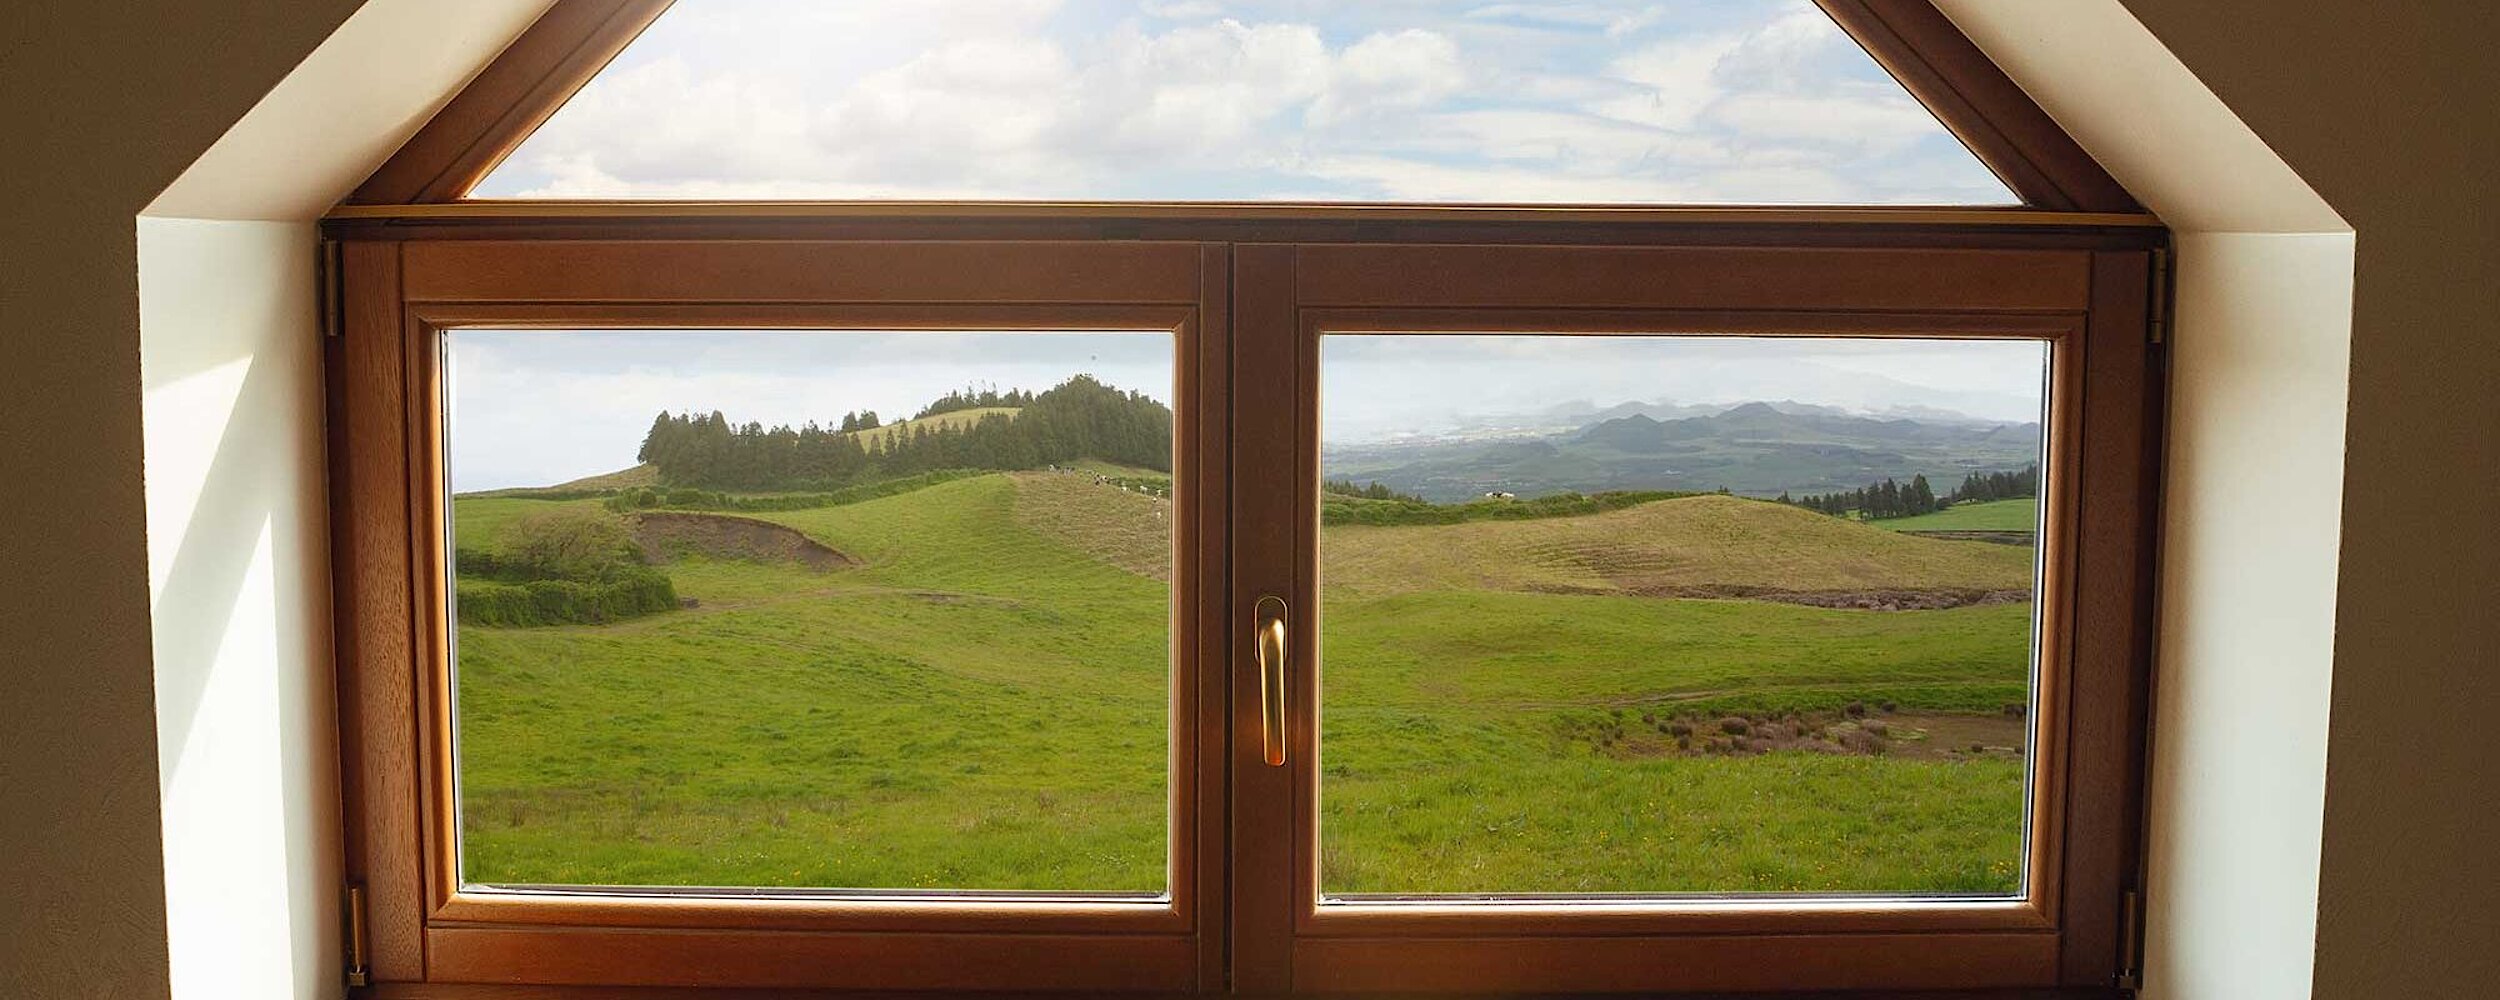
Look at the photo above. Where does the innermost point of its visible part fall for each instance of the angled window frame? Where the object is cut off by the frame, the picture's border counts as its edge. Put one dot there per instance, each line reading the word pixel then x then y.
pixel 1911 39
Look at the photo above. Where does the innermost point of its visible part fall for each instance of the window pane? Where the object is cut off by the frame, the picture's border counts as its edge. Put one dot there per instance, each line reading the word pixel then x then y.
pixel 1590 101
pixel 831 610
pixel 1676 614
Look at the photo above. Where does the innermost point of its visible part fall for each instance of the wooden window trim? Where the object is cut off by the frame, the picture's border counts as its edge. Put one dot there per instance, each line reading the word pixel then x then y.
pixel 2086 287
pixel 2093 616
pixel 569 44
pixel 394 677
pixel 509 99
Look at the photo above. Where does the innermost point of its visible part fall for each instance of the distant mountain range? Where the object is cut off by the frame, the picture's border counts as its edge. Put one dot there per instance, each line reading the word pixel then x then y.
pixel 1757 448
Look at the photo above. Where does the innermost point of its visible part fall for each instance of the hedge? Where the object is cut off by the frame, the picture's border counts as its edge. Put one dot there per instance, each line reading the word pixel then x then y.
pixel 626 593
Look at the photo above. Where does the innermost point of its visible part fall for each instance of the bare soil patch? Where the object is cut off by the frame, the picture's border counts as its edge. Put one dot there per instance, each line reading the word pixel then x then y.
pixel 1863 600
pixel 1860 731
pixel 665 535
pixel 1991 537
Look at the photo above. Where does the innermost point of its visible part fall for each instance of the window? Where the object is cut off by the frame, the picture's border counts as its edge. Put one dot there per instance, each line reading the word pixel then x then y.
pixel 1239 598
pixel 1750 101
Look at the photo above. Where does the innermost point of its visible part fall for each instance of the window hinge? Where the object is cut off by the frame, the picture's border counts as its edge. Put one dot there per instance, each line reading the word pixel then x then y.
pixel 352 928
pixel 2157 310
pixel 2131 941
pixel 327 285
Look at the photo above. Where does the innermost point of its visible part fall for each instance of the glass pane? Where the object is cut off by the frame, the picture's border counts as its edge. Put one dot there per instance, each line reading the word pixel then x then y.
pixel 1588 101
pixel 812 610
pixel 1665 614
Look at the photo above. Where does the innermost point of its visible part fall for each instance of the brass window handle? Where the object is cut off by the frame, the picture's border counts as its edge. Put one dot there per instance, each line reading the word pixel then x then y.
pixel 1270 617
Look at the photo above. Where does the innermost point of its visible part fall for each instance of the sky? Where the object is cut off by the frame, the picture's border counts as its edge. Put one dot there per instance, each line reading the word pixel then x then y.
pixel 540 407
pixel 1609 101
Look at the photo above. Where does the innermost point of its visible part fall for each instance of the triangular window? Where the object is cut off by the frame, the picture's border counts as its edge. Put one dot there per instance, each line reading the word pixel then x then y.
pixel 1587 101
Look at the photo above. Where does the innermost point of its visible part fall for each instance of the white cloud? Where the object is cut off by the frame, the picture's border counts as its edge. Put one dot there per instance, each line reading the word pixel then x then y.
pixel 1182 10
pixel 1387 73
pixel 1678 80
pixel 1581 100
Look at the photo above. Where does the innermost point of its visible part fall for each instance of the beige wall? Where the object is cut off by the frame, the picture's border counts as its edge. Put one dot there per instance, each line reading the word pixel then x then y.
pixel 2384 108
pixel 104 104
pixel 2388 110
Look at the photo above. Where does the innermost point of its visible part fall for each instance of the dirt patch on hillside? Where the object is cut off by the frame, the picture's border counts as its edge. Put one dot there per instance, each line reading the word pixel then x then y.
pixel 1860 600
pixel 665 535
pixel 1991 537
pixel 1858 731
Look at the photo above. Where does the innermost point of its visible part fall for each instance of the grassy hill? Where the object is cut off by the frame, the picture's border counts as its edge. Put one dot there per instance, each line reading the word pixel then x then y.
pixel 1994 515
pixel 645 474
pixel 957 418
pixel 981 702
pixel 1754 448
pixel 1689 544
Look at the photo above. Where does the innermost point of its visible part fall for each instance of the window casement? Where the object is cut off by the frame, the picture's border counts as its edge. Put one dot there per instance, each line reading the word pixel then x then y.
pixel 1167 702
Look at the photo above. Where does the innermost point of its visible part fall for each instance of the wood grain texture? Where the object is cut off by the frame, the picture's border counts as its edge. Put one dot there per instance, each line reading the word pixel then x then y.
pixel 673 271
pixel 508 100
pixel 1205 460
pixel 1697 278
pixel 375 609
pixel 594 957
pixel 1983 108
pixel 1661 227
pixel 1268 539
pixel 2113 618
pixel 482 991
pixel 1691 964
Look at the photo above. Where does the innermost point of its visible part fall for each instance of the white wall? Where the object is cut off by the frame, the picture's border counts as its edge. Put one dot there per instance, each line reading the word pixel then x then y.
pixel 2250 530
pixel 2251 519
pixel 230 366
pixel 235 483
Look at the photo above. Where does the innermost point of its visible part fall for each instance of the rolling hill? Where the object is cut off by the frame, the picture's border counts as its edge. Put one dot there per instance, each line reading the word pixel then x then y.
pixel 1755 448
pixel 1690 546
pixel 981 700
pixel 953 418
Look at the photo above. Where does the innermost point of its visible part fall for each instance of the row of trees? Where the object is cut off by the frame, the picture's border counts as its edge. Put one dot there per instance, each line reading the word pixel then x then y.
pixel 974 398
pixel 1375 491
pixel 1875 500
pixel 1998 485
pixel 1892 498
pixel 1079 419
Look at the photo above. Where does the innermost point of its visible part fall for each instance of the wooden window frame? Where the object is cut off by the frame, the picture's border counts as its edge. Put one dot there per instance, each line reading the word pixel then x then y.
pixel 1248 290
pixel 1253 312
pixel 394 633
pixel 2089 306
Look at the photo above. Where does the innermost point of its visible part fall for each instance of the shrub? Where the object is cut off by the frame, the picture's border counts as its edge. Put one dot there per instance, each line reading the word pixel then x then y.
pixel 566 566
pixel 626 594
pixel 568 543
pixel 1734 725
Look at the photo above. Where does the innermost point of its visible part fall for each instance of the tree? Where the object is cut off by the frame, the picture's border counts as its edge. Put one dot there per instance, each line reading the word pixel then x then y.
pixel 570 543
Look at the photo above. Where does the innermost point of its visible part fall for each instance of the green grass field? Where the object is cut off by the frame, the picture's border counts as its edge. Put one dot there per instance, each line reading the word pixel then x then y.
pixel 1993 515
pixel 981 704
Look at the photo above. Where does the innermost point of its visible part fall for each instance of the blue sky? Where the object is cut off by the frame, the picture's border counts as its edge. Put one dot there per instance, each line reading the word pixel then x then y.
pixel 1696 101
